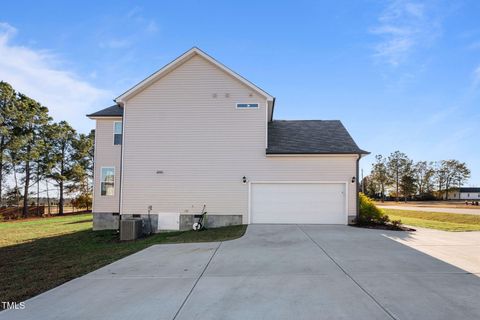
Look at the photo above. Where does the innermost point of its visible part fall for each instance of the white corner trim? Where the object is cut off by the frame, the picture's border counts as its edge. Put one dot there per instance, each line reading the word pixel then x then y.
pixel 249 204
pixel 266 125
pixel 124 119
pixel 94 166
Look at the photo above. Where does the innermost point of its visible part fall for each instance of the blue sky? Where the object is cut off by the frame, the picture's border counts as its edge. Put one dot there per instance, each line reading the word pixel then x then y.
pixel 401 75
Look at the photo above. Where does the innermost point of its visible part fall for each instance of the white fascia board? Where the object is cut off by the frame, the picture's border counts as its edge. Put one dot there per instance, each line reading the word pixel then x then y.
pixel 178 61
pixel 106 118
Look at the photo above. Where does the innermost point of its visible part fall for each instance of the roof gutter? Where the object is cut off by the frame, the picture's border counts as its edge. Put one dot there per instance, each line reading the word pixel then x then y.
pixel 357 186
pixel 103 117
pixel 273 108
pixel 270 153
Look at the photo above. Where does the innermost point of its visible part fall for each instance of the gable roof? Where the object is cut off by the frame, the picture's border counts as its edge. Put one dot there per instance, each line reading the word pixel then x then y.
pixel 310 137
pixel 113 111
pixel 180 60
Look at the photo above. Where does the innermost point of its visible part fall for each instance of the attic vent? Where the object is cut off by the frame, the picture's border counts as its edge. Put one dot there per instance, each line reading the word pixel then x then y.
pixel 247 105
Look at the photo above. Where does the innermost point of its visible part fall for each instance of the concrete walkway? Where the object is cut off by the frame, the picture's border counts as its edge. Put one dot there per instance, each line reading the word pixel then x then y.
pixel 433 209
pixel 273 272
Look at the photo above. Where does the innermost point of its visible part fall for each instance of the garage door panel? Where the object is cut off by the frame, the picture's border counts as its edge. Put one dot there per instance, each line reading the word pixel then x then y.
pixel 299 203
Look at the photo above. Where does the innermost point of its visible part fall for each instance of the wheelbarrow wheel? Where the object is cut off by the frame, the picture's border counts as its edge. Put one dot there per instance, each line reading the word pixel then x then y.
pixel 197 226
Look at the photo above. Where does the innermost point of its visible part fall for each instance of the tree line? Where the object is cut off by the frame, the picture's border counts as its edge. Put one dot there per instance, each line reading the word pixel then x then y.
pixel 35 151
pixel 397 176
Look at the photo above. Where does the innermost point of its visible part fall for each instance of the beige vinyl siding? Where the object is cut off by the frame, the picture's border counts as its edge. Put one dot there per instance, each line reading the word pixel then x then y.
pixel 205 145
pixel 106 155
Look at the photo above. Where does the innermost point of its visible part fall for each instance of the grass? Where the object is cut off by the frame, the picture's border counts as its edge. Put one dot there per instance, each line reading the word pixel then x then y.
pixel 436 203
pixel 436 220
pixel 39 254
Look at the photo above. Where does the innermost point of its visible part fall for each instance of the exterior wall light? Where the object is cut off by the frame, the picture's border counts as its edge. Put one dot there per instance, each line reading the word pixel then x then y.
pixel 244 179
pixel 353 179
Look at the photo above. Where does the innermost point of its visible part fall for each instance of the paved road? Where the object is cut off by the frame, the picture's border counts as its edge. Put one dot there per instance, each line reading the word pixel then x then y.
pixel 434 209
pixel 273 272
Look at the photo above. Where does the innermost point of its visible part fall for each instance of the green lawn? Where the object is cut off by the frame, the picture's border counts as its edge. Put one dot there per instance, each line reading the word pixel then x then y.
pixel 436 220
pixel 40 254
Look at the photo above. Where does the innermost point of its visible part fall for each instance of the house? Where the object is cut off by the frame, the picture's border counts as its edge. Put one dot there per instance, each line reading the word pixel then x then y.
pixel 196 133
pixel 464 193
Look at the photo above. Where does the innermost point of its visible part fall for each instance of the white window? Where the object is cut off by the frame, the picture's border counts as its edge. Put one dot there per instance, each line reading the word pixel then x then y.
pixel 117 132
pixel 247 105
pixel 107 181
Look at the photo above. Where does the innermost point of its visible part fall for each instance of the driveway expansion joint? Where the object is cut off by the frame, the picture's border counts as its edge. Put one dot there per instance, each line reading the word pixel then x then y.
pixel 196 281
pixel 348 275
pixel 278 272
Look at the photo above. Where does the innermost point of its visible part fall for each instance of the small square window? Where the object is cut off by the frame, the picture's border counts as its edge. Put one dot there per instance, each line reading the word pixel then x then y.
pixel 247 105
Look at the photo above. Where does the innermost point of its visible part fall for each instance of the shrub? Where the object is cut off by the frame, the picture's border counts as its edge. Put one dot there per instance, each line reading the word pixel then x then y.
pixel 370 213
pixel 396 223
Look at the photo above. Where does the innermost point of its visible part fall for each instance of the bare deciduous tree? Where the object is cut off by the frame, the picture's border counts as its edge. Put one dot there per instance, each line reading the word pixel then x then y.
pixel 398 165
pixel 454 172
pixel 380 174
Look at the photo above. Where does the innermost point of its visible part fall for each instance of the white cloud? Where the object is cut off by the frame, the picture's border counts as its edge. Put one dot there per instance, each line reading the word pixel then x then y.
pixel 403 26
pixel 38 74
pixel 115 43
pixel 474 45
pixel 134 12
pixel 440 115
pixel 136 27
pixel 476 77
pixel 136 15
pixel 7 31
pixel 415 9
pixel 151 27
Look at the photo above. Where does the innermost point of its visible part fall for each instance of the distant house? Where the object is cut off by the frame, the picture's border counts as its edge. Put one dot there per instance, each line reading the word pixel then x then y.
pixel 472 193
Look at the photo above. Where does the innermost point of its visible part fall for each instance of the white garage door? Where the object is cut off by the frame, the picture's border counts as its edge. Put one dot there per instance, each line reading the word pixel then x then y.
pixel 299 203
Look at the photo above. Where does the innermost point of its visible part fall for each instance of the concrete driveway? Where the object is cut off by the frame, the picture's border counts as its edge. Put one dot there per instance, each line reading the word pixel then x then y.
pixel 461 249
pixel 273 272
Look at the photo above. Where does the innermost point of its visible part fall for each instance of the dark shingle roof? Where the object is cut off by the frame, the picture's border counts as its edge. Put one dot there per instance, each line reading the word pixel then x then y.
pixel 470 189
pixel 113 111
pixel 310 137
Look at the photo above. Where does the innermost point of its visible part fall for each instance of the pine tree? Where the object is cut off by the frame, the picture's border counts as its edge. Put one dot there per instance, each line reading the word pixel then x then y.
pixel 62 139
pixel 7 113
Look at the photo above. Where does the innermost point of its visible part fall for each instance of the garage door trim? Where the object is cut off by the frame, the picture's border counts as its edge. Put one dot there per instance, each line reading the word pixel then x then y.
pixel 249 215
